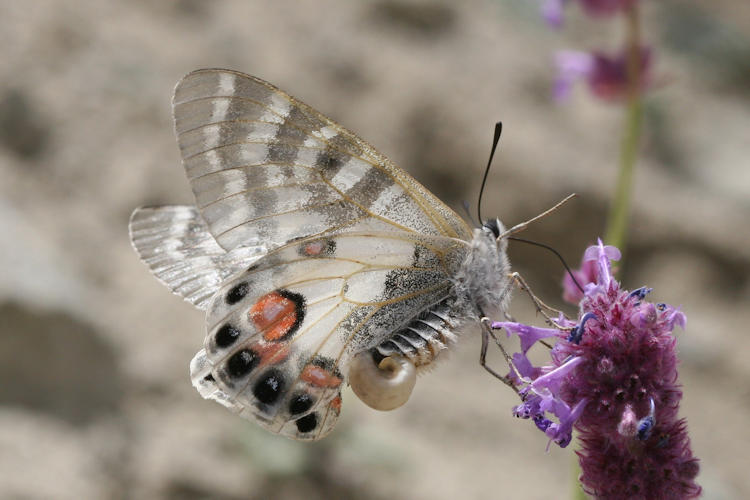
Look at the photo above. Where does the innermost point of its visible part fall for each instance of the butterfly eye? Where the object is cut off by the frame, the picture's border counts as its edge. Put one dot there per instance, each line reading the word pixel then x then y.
pixel 383 386
pixel 493 226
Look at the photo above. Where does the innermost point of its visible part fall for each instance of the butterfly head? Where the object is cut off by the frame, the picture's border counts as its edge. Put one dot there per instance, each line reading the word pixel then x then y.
pixel 484 277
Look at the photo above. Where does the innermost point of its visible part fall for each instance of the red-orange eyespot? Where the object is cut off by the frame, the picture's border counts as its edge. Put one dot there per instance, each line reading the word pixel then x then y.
pixel 271 353
pixel 335 404
pixel 317 248
pixel 314 248
pixel 277 314
pixel 319 377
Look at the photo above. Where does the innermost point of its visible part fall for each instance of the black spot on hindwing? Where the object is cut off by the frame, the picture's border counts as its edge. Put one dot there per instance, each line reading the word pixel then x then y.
pixel 269 387
pixel 237 293
pixel 226 336
pixel 308 423
pixel 242 363
pixel 300 403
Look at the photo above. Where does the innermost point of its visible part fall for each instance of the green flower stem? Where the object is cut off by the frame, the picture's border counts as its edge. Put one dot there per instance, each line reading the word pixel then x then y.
pixel 617 223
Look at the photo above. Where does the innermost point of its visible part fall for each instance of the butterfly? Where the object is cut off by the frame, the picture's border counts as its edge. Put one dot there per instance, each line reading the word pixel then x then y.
pixel 318 261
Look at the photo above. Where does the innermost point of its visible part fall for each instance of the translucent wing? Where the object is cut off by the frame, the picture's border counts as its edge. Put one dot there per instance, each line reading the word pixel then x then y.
pixel 280 336
pixel 262 164
pixel 175 244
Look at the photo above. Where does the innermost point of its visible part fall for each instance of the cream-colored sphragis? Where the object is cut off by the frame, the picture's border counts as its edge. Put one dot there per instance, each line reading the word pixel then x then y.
pixel 384 386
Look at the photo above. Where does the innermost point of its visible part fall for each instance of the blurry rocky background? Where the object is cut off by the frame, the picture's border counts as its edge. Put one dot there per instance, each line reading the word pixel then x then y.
pixel 95 400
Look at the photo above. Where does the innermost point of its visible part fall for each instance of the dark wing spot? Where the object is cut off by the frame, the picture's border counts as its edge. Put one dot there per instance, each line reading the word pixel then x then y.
pixel 317 248
pixel 307 423
pixel 299 303
pixel 237 293
pixel 226 336
pixel 417 254
pixel 330 247
pixel 330 161
pixel 328 364
pixel 241 363
pixel 269 387
pixel 300 403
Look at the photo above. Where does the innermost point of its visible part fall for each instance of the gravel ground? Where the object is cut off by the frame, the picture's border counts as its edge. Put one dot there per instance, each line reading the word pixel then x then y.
pixel 95 401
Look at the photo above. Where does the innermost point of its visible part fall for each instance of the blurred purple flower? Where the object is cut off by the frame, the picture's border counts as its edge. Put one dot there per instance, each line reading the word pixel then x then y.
pixel 552 10
pixel 606 75
pixel 613 375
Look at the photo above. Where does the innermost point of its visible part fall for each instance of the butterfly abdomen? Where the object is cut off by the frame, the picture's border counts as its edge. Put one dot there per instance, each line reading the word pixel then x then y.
pixel 422 339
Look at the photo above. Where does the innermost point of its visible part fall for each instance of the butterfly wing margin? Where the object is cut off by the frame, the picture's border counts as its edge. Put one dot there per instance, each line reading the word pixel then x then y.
pixel 175 244
pixel 280 336
pixel 260 162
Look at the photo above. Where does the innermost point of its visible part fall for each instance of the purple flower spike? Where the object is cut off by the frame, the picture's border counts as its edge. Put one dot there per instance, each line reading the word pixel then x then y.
pixel 571 65
pixel 524 367
pixel 641 292
pixel 613 378
pixel 529 335
pixel 605 7
pixel 552 12
pixel 628 425
pixel 606 75
pixel 562 433
pixel 552 380
pixel 646 424
pixel 675 317
pixel 576 334
pixel 596 260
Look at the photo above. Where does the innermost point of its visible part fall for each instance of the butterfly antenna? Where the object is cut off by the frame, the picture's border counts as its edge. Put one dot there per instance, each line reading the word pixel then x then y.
pixel 495 140
pixel 523 225
pixel 547 247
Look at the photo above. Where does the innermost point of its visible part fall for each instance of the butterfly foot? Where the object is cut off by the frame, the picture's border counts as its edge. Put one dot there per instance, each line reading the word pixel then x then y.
pixel 385 385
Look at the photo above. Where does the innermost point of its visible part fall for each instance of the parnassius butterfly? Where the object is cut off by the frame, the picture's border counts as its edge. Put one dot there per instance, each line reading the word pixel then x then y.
pixel 318 261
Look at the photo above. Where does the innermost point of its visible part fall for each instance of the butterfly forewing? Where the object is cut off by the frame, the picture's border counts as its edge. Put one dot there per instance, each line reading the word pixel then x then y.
pixel 262 164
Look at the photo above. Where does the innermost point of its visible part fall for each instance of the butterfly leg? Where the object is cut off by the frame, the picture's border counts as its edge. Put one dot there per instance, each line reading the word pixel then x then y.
pixel 486 334
pixel 541 307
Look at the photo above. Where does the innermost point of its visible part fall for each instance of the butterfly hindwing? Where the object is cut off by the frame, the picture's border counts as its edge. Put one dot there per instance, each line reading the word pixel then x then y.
pixel 280 335
pixel 263 164
pixel 174 242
